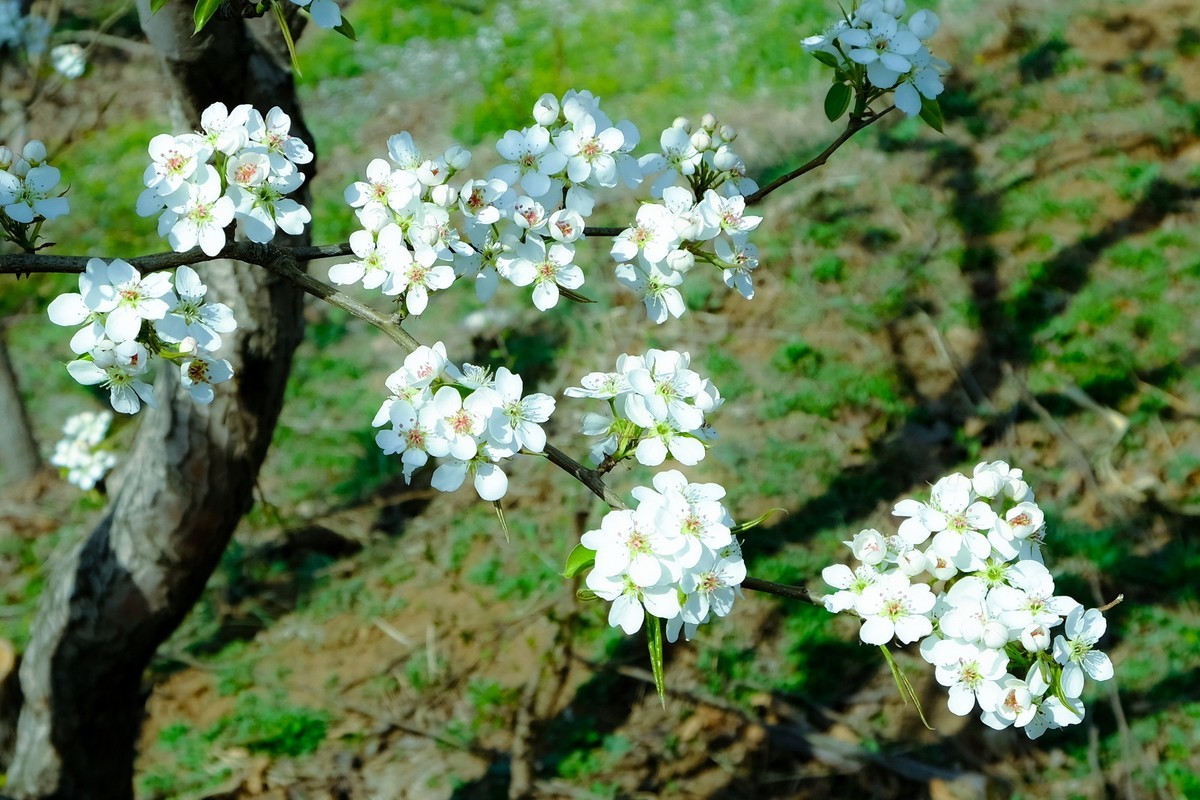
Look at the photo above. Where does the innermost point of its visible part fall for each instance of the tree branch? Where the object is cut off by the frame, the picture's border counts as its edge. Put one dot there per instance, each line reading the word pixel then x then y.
pixel 855 125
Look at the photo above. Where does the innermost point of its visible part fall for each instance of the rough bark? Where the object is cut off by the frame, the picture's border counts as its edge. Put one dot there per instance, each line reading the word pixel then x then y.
pixel 21 459
pixel 187 482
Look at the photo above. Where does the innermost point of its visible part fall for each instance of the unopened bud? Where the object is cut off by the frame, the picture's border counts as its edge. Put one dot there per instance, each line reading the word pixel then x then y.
pixel 681 261
pixel 188 345
pixel 458 157
pixel 725 159
pixel 682 122
pixel 6 157
pixel 34 152
pixel 545 110
pixel 728 133
pixel 708 122
pixel 701 140
pixel 444 195
pixel 1035 638
pixel 432 172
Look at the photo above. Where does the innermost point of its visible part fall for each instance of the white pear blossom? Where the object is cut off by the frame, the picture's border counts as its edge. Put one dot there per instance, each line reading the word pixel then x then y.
pixel 894 607
pixel 1075 650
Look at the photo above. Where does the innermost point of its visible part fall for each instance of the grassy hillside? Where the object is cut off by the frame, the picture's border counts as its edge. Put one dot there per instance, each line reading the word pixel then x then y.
pixel 1022 288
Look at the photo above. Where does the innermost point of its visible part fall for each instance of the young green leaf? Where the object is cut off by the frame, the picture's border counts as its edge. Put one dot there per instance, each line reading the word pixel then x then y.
pixel 902 684
pixel 156 5
pixel 287 35
pixel 204 12
pixel 654 639
pixel 754 523
pixel 837 100
pixel 574 296
pixel 346 29
pixel 828 59
pixel 503 521
pixel 931 112
pixel 580 559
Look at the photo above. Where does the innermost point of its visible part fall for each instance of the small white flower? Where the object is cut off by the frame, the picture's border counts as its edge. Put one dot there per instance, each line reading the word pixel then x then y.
pixel 198 375
pixel 893 607
pixel 1075 650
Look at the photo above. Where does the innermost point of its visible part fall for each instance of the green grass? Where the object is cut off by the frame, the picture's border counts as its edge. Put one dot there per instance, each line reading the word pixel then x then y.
pixel 272 727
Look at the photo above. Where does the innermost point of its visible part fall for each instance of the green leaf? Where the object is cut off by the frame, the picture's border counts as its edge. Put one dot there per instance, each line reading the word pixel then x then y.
pixel 574 296
pixel 906 689
pixel 837 100
pixel 156 5
pixel 931 112
pixel 204 12
pixel 754 523
pixel 580 559
pixel 826 58
pixel 654 639
pixel 287 35
pixel 503 521
pixel 346 29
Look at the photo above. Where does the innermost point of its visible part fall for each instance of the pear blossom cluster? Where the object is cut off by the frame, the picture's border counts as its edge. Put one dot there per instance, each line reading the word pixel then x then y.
pixel 79 455
pixel 673 556
pixel 520 223
pixel 469 416
pixel 28 193
pixel 422 230
pixel 239 167
pixel 656 408
pixel 127 319
pixel 964 576
pixel 701 183
pixel 894 54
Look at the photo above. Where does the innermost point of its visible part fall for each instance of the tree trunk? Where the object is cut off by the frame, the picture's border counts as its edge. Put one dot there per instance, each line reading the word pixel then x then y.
pixel 186 483
pixel 21 459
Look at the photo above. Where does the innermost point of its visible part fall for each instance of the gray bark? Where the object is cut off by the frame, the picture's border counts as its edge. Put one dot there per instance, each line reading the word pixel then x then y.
pixel 186 483
pixel 21 459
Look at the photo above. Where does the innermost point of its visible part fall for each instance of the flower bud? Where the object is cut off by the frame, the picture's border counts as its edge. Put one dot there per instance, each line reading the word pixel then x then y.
pixel 894 7
pixel 681 261
pixel 868 546
pixel 457 157
pixel 444 195
pixel 20 167
pixel 1018 489
pixel 682 122
pixel 545 110
pixel 34 152
pixel 912 562
pixel 432 172
pixel 1035 638
pixel 924 24
pixel 188 345
pixel 725 159
pixel 728 133
pixel 701 141
pixel 708 122
pixel 6 157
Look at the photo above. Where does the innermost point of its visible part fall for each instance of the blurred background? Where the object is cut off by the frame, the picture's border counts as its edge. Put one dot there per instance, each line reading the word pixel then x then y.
pixel 1023 288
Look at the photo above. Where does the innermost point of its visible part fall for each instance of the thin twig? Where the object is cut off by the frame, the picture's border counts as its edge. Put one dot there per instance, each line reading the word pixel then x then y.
pixel 855 125
pixel 779 589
